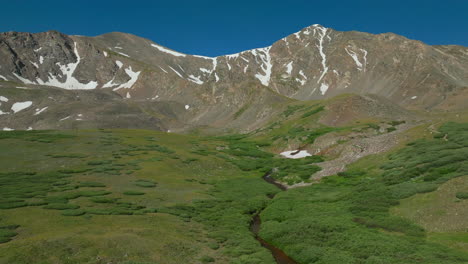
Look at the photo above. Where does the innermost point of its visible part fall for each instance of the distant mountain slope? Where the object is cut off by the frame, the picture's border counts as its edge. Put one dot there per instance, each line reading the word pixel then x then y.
pixel 241 90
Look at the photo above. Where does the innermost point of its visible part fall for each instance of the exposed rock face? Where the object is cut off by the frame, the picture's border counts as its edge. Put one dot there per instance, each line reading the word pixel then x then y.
pixel 241 90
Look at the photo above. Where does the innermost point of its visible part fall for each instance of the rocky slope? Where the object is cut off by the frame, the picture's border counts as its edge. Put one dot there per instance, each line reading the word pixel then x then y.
pixel 238 91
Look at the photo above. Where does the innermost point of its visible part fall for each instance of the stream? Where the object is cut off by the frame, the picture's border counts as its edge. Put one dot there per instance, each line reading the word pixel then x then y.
pixel 278 254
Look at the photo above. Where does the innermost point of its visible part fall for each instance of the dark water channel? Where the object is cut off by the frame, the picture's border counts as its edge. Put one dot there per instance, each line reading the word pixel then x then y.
pixel 278 254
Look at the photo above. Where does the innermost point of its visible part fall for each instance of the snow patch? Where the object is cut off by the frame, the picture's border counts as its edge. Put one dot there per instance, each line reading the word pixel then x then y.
pixel 3 77
pixel 70 83
pixel 128 95
pixel 322 33
pixel 123 54
pixel 105 53
pixel 302 81
pixel 232 56
pixel 8 129
pixel 16 107
pixel 205 70
pixel 289 68
pixel 323 88
pixel 174 53
pixel 266 66
pixel 203 57
pixel 37 50
pixel 24 80
pixel 119 64
pixel 35 64
pixel 162 69
pixel 414 97
pixel 180 75
pixel 195 79
pixel 41 59
pixel 38 111
pixel 133 79
pixel 3 99
pixel 294 154
pixel 65 118
pixel 355 57
pixel 110 84
pixel 187 107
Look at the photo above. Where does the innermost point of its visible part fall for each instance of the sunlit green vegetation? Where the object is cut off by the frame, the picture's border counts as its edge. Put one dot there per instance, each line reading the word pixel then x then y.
pixel 150 197
pixel 346 218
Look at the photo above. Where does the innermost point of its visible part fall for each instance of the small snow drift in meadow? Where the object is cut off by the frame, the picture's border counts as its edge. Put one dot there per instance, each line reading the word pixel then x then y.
pixel 7 129
pixel 187 107
pixel 16 107
pixel 3 99
pixel 295 154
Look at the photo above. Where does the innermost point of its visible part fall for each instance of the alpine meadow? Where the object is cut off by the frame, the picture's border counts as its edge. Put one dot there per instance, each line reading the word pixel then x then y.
pixel 325 147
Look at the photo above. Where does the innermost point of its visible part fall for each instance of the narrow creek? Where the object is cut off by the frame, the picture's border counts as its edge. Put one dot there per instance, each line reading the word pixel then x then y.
pixel 255 224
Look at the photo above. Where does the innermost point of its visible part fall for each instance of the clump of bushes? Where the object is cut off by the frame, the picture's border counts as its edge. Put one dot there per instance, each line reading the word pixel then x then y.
pixel 313 111
pixel 91 184
pixel 462 195
pixel 71 212
pixel 133 193
pixel 103 200
pixel 61 206
pixel 7 233
pixel 145 183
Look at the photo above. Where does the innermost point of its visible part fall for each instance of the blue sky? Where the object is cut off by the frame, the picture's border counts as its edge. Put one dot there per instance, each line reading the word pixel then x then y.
pixel 223 27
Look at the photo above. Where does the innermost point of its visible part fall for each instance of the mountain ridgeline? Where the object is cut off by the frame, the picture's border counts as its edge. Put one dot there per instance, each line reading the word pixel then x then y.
pixel 121 80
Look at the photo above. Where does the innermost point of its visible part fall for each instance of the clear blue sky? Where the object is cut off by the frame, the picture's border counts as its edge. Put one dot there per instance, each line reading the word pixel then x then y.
pixel 223 27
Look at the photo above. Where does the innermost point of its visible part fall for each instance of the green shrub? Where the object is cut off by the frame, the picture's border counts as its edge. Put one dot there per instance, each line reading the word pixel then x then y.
pixel 12 205
pixel 145 183
pixel 213 245
pixel 91 184
pixel 133 193
pixel 462 195
pixel 7 233
pixel 373 126
pixel 61 206
pixel 103 200
pixel 313 111
pixel 4 240
pixel 396 123
pixel 291 109
pixel 73 212
pixel 207 259
pixel 99 162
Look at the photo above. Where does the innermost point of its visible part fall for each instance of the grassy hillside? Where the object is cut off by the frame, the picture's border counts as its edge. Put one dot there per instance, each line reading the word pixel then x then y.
pixel 136 196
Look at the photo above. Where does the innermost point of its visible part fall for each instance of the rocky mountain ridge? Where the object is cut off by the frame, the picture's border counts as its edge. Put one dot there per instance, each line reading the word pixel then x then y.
pixel 239 90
